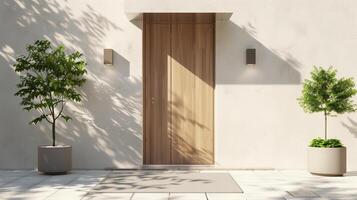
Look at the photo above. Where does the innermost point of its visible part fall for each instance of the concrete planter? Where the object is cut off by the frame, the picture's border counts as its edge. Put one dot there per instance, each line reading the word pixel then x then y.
pixel 54 159
pixel 326 161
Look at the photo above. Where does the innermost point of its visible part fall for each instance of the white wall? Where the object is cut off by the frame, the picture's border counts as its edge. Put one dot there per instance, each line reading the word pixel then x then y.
pixel 107 128
pixel 258 122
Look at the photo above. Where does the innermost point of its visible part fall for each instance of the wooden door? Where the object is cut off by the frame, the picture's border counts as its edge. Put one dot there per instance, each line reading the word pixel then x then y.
pixel 179 76
pixel 157 49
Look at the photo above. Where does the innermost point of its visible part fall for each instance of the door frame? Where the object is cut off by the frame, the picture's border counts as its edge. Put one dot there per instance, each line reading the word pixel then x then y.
pixel 144 109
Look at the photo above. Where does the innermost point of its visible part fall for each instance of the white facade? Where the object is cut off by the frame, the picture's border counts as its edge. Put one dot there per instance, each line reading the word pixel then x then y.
pixel 258 123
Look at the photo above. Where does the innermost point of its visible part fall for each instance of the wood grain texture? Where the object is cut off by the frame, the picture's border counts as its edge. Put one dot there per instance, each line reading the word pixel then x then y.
pixel 157 48
pixel 183 58
pixel 192 93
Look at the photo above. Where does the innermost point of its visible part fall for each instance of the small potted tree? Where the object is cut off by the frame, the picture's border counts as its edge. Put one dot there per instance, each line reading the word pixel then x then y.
pixel 48 79
pixel 330 95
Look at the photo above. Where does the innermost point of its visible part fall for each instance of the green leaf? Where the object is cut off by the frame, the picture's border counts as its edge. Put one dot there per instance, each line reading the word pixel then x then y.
pixel 48 78
pixel 66 118
pixel 324 92
pixel 322 143
pixel 38 119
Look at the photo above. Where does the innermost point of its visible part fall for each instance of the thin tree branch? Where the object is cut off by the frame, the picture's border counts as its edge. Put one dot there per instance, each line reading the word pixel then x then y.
pixel 60 112
pixel 42 111
pixel 48 119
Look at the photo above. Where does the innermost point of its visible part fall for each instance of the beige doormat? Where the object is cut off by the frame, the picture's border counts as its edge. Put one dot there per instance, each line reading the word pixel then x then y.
pixel 167 181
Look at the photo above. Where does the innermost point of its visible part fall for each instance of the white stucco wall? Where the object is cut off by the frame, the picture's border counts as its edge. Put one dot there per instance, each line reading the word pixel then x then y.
pixel 107 128
pixel 258 123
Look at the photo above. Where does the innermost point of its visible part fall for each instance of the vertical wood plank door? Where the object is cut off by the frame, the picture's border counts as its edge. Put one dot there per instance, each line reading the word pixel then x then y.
pixel 183 58
pixel 157 142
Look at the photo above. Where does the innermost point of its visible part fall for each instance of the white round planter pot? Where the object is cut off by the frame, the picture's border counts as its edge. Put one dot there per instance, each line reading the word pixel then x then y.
pixel 326 161
pixel 54 159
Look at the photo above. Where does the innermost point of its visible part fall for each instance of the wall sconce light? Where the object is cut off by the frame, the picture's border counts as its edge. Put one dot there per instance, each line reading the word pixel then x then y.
pixel 108 56
pixel 250 58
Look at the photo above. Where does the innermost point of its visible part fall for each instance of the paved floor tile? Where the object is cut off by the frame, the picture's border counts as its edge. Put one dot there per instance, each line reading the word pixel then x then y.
pixel 187 196
pixel 46 187
pixel 264 198
pixel 303 194
pixel 225 196
pixel 109 196
pixel 150 196
pixel 21 185
pixel 308 198
pixel 7 177
pixel 79 188
pixel 256 185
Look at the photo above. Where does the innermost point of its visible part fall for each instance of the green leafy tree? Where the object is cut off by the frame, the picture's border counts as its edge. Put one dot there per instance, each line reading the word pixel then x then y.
pixel 48 79
pixel 328 94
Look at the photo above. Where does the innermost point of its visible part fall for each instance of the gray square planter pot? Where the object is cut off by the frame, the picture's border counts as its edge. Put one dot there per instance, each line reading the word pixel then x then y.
pixel 326 161
pixel 54 159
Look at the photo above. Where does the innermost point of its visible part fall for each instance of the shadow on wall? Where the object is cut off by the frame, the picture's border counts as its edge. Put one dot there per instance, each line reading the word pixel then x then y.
pixel 107 124
pixel 351 126
pixel 122 64
pixel 271 68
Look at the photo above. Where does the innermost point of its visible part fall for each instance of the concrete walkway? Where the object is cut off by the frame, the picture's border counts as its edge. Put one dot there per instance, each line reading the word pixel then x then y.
pixel 257 185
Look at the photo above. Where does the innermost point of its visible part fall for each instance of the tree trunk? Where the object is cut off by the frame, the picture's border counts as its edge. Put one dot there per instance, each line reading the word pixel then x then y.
pixel 54 133
pixel 325 125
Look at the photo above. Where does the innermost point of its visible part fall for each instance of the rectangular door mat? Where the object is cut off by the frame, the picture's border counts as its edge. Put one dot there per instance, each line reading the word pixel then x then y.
pixel 167 181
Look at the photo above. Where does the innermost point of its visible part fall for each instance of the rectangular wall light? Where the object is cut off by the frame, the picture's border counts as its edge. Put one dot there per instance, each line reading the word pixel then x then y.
pixel 108 56
pixel 250 56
